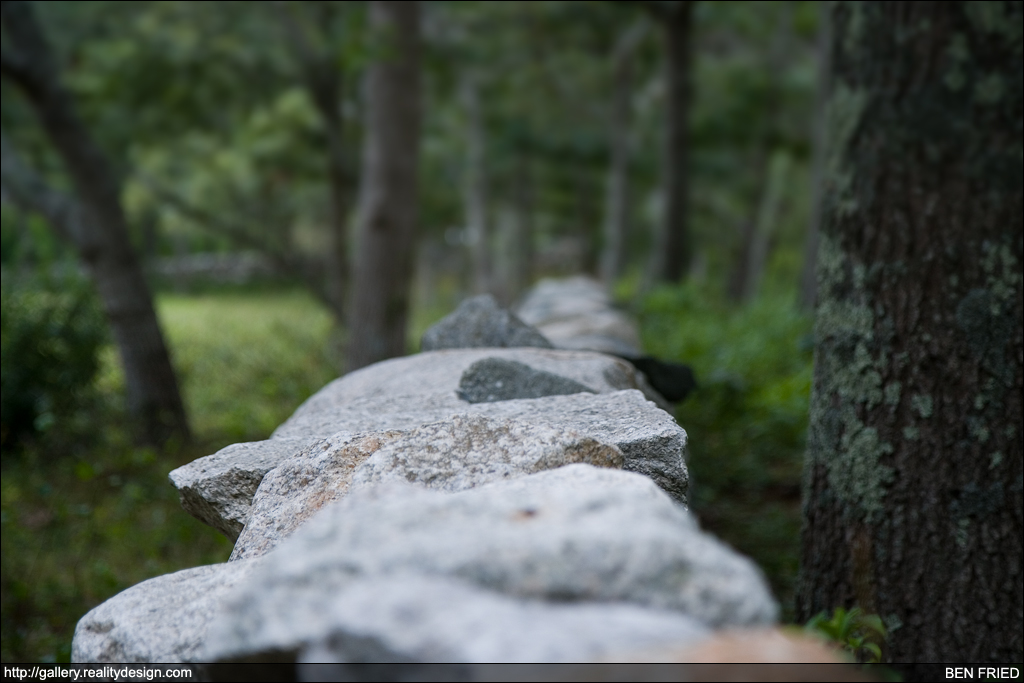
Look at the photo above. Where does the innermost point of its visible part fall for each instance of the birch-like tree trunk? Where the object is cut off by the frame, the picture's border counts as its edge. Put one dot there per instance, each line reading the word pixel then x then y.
pixel 388 202
pixel 913 507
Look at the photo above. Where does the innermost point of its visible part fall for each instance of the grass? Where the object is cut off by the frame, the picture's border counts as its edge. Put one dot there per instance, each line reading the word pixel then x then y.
pixel 82 524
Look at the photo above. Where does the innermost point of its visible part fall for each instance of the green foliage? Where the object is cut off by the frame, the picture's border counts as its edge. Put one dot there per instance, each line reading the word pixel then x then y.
pixel 84 520
pixel 52 330
pixel 747 419
pixel 862 635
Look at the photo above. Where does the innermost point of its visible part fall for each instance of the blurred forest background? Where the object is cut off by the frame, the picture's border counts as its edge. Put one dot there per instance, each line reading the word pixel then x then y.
pixel 233 135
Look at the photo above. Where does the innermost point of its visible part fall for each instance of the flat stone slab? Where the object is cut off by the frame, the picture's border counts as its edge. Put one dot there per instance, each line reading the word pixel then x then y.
pixel 164 619
pixel 575 534
pixel 456 454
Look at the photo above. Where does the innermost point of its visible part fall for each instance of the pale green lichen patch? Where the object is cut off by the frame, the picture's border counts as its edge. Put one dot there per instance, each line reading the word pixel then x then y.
pixel 843 116
pixel 857 475
pixel 989 90
pixel 911 433
pixel 922 403
pixel 962 532
pixel 995 459
pixel 892 393
pixel 851 367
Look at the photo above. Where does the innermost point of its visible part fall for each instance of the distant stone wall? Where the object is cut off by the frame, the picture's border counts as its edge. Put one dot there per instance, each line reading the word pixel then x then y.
pixel 491 499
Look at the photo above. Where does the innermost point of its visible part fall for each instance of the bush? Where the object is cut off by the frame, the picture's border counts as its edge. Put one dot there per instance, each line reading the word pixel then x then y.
pixel 747 419
pixel 52 331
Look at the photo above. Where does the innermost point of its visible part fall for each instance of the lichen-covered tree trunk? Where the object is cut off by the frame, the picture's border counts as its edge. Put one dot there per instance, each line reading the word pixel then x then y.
pixel 913 478
pixel 388 200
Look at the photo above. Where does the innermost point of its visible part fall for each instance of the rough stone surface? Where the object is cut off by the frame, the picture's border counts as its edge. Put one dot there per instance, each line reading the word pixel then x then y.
pixel 400 380
pixel 160 620
pixel 453 455
pixel 576 313
pixel 480 322
pixel 401 393
pixel 500 379
pixel 573 534
pixel 413 618
pixel 649 438
pixel 218 489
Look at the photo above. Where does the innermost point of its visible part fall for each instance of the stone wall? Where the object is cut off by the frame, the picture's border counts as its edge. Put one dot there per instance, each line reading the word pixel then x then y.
pixel 490 499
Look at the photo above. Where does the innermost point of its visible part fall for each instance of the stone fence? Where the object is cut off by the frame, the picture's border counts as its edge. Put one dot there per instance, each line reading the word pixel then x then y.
pixel 509 494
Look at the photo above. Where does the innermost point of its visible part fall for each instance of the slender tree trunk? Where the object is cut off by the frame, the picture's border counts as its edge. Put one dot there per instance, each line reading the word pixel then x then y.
pixel 388 199
pixel 673 247
pixel 95 225
pixel 616 223
pixel 912 493
pixel 475 186
pixel 324 82
pixel 808 277
pixel 768 214
pixel 522 238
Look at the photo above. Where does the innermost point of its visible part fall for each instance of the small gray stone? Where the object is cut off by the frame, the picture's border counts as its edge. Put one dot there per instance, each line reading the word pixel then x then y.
pixel 459 453
pixel 218 489
pixel 500 379
pixel 164 619
pixel 573 534
pixel 479 322
pixel 413 618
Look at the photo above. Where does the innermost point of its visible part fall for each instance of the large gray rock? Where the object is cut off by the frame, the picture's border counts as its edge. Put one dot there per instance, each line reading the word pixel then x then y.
pixel 414 618
pixel 500 379
pixel 480 322
pixel 453 455
pixel 218 489
pixel 396 381
pixel 160 620
pixel 573 534
pixel 404 393
pixel 577 313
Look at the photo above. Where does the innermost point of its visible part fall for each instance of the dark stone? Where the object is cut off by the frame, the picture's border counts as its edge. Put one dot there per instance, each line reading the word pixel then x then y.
pixel 479 322
pixel 674 381
pixel 498 379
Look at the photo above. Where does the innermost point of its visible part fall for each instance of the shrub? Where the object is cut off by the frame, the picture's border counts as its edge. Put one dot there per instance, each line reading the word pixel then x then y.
pixel 52 331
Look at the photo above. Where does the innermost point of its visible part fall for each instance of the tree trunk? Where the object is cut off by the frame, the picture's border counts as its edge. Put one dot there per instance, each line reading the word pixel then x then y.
pixel 95 225
pixel 475 188
pixel 522 238
pixel 912 500
pixel 323 80
pixel 808 277
pixel 673 248
pixel 616 220
pixel 388 198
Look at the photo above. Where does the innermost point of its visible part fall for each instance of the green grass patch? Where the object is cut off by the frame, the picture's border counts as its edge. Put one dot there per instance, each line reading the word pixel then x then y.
pixel 85 516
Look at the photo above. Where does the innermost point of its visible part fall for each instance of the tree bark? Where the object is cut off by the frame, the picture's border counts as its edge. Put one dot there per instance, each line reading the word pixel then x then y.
pixel 324 83
pixel 912 491
pixel 673 247
pixel 95 225
pixel 808 276
pixel 388 197
pixel 616 221
pixel 475 187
